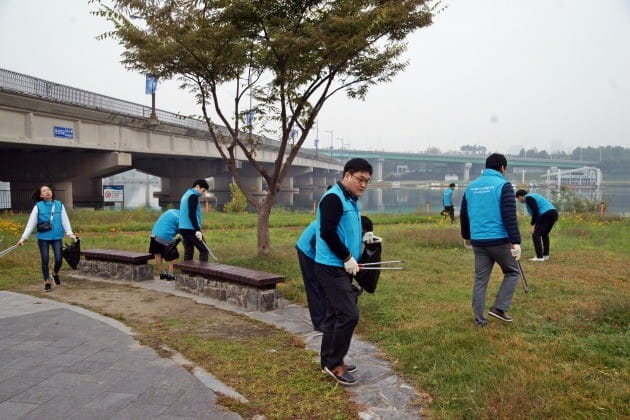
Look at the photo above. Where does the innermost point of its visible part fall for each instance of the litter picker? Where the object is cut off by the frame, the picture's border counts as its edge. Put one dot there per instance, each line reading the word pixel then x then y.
pixel 8 250
pixel 376 265
pixel 209 250
pixel 525 286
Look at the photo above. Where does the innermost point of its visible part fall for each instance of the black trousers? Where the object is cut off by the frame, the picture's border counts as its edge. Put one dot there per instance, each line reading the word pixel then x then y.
pixel 190 243
pixel 450 210
pixel 342 314
pixel 541 232
pixel 315 295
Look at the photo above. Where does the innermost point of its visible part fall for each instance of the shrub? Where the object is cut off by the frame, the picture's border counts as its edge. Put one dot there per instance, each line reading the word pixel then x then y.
pixel 238 203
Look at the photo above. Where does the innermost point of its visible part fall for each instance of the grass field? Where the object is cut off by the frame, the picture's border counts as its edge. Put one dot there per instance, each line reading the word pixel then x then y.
pixel 566 355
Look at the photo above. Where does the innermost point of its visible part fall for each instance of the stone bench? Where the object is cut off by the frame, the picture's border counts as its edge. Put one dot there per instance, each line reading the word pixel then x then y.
pixel 116 264
pixel 243 287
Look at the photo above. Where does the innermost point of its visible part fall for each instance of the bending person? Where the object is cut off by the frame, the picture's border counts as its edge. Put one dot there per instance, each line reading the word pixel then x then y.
pixel 162 235
pixel 544 216
pixel 50 218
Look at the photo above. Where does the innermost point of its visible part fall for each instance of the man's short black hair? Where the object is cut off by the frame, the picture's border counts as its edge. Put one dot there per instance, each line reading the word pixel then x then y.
pixel 451 185
pixel 496 161
pixel 521 193
pixel 357 165
pixel 201 182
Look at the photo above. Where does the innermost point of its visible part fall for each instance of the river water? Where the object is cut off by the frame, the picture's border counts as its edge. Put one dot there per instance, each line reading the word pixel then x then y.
pixel 389 200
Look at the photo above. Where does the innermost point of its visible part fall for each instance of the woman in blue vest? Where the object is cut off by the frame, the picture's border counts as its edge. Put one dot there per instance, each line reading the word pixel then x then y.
pixel 50 218
pixel 162 235
pixel 544 216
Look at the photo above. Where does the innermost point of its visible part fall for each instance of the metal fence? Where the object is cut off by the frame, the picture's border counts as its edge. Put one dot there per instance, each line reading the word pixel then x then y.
pixel 32 86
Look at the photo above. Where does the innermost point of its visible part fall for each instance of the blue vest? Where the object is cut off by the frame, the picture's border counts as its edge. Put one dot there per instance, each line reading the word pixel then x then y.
pixel 166 225
pixel 349 230
pixel 543 204
pixel 184 220
pixel 44 208
pixel 483 198
pixel 307 240
pixel 446 197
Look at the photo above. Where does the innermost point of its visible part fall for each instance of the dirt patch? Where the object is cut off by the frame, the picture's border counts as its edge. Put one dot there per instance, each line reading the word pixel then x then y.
pixel 133 305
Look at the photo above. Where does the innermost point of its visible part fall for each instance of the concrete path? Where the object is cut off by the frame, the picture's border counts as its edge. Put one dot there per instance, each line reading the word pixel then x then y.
pixel 381 393
pixel 59 361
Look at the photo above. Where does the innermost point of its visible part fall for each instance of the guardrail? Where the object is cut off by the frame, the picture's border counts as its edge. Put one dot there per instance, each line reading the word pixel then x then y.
pixel 33 86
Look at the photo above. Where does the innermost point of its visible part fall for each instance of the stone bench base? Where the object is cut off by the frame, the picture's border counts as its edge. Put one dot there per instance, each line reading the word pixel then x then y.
pixel 116 270
pixel 236 294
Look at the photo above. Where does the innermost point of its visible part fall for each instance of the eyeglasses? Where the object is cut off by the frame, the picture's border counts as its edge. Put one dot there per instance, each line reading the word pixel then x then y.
pixel 361 180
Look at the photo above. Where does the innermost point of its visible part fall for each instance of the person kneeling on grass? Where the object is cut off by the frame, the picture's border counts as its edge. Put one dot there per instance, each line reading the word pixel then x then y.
pixel 163 235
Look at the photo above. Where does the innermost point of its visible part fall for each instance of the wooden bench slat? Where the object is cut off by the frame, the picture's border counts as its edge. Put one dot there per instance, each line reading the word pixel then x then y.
pixel 231 273
pixel 117 255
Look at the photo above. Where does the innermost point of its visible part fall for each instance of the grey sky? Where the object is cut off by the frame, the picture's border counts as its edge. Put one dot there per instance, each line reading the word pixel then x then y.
pixel 538 73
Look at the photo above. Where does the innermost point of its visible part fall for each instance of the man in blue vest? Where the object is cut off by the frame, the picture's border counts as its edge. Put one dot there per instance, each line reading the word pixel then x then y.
pixel 337 249
pixel 190 221
pixel 544 216
pixel 489 226
pixel 447 202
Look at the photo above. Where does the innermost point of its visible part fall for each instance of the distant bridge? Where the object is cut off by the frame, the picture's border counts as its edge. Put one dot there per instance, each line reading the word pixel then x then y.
pixel 453 158
pixel 74 138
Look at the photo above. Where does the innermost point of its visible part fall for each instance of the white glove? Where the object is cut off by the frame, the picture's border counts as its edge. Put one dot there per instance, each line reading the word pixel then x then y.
pixel 516 251
pixel 351 266
pixel 371 238
pixel 467 244
pixel 198 235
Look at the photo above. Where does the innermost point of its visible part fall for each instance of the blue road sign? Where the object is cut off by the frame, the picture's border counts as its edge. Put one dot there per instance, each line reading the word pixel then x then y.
pixel 150 84
pixel 63 132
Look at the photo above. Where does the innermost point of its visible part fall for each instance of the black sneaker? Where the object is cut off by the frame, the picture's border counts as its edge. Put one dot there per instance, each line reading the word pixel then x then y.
pixel 498 313
pixel 169 277
pixel 346 379
pixel 57 279
pixel 350 368
pixel 163 276
pixel 47 287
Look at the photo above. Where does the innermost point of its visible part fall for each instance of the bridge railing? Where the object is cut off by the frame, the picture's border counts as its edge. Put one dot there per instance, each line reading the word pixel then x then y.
pixel 33 86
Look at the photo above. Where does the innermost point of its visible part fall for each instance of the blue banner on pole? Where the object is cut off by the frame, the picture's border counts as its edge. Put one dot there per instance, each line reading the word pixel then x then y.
pixel 150 84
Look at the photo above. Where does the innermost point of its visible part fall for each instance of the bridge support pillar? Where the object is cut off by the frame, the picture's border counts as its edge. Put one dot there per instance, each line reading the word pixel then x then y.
pixel 172 190
pixel 378 170
pixel 467 167
pixel 287 184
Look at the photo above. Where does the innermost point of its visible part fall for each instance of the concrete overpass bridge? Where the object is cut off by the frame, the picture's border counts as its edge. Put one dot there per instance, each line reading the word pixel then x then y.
pixel 74 138
pixel 465 162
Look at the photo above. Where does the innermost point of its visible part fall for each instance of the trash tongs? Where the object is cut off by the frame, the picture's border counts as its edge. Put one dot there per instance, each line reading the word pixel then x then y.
pixel 375 265
pixel 209 250
pixel 8 250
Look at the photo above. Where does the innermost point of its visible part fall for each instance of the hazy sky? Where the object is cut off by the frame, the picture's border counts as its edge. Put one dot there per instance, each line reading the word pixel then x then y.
pixel 499 73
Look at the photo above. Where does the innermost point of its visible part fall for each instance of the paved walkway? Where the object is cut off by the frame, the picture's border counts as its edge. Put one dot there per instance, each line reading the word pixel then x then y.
pixel 59 361
pixel 381 393
pixel 62 361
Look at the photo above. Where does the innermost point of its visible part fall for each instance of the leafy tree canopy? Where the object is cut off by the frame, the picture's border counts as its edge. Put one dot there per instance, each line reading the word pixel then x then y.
pixel 286 57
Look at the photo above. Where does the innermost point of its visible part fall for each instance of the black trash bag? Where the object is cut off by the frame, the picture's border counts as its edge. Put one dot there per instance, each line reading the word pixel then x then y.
pixel 72 253
pixel 170 250
pixel 368 279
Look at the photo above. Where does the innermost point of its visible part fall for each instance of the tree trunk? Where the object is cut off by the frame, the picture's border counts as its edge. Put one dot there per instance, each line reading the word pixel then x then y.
pixel 264 241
